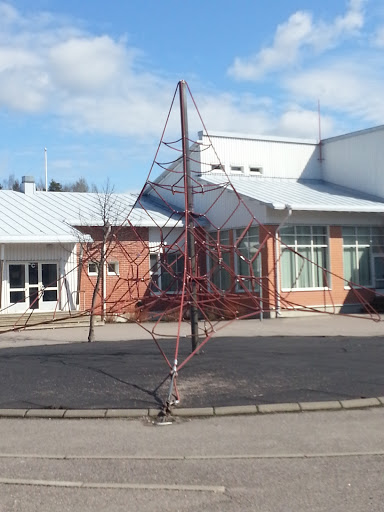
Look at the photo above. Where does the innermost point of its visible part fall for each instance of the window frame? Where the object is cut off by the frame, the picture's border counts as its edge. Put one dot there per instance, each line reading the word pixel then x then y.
pixel 226 235
pixel 372 253
pixel 236 169
pixel 115 272
pixel 234 260
pixel 217 167
pixel 296 255
pixel 155 260
pixel 91 272
pixel 237 260
pixel 255 170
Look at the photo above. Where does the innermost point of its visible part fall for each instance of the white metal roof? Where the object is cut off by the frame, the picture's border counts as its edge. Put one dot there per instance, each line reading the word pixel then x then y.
pixel 48 217
pixel 304 195
pixel 253 136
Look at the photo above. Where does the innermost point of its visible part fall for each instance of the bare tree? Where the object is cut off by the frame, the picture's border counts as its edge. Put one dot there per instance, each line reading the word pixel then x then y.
pixel 96 253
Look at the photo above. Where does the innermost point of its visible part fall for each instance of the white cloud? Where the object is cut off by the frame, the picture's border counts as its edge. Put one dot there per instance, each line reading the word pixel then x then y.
pixel 92 83
pixel 86 64
pixel 17 58
pixel 298 33
pixel 245 114
pixel 284 52
pixel 96 84
pixel 350 87
pixel 229 113
pixel 303 123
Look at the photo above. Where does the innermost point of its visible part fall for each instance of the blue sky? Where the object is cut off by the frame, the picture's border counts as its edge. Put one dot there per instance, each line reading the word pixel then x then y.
pixel 93 81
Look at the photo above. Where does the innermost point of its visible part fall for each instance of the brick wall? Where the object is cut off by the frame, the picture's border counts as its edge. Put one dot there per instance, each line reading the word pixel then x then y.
pixel 128 247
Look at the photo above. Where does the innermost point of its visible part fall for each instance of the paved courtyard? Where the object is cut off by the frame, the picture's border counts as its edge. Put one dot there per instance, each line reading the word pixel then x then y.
pixel 251 362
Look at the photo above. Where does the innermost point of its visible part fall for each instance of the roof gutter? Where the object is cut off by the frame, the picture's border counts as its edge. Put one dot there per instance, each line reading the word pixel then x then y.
pixel 277 259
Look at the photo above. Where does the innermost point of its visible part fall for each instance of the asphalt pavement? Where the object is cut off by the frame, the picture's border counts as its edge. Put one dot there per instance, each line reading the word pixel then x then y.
pixel 248 363
pixel 315 461
pixel 312 462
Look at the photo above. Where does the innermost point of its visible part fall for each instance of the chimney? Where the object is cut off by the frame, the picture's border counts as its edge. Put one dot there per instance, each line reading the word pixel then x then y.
pixel 28 185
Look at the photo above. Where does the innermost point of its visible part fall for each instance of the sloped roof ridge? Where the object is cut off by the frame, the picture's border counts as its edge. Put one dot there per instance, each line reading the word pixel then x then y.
pixel 255 136
pixel 355 133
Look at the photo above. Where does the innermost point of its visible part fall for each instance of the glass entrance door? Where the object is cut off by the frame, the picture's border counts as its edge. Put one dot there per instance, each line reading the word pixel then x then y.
pixel 33 286
pixel 17 288
pixel 48 285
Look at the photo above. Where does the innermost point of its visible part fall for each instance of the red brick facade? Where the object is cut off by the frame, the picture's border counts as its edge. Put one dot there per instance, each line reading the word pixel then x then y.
pixel 130 248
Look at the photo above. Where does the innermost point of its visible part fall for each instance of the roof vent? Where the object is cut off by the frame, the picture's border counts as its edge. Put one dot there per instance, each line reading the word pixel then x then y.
pixel 28 185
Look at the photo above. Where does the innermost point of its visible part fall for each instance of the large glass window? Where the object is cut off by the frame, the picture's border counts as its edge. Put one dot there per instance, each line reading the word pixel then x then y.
pixel 360 245
pixel 238 252
pixel 304 257
pixel 247 264
pixel 167 271
pixel 221 261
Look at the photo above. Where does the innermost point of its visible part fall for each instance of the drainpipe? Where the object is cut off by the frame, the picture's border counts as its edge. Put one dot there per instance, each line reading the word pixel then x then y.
pixel 104 264
pixel 79 273
pixel 277 260
pixel 105 269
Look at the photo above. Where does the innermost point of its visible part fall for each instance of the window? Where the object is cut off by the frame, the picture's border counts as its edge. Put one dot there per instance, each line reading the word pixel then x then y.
pixel 238 255
pixel 236 168
pixel 304 256
pixel 363 248
pixel 246 263
pixel 17 283
pixel 255 170
pixel 217 167
pixel 113 268
pixel 49 280
pixel 219 274
pixel 92 268
pixel 167 271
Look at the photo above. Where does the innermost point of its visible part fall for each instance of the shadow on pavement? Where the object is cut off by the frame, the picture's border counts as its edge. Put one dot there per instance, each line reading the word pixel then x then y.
pixel 231 371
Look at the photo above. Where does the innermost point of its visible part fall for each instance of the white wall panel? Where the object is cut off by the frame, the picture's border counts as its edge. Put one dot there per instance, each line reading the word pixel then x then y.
pixel 276 158
pixel 65 255
pixel 356 161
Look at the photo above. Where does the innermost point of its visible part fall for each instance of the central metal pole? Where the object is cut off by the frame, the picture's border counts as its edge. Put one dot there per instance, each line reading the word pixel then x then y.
pixel 190 223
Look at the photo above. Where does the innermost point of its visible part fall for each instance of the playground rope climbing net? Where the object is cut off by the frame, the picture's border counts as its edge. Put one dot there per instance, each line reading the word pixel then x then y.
pixel 208 260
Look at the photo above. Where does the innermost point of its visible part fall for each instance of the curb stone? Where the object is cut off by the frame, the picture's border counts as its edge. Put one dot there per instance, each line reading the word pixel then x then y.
pixel 126 413
pixel 233 410
pixel 195 411
pixel 13 413
pixel 85 413
pixel 44 413
pixel 271 408
pixel 320 406
pixel 357 403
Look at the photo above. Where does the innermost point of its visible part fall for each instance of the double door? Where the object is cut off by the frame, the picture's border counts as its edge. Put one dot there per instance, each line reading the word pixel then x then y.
pixel 33 286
